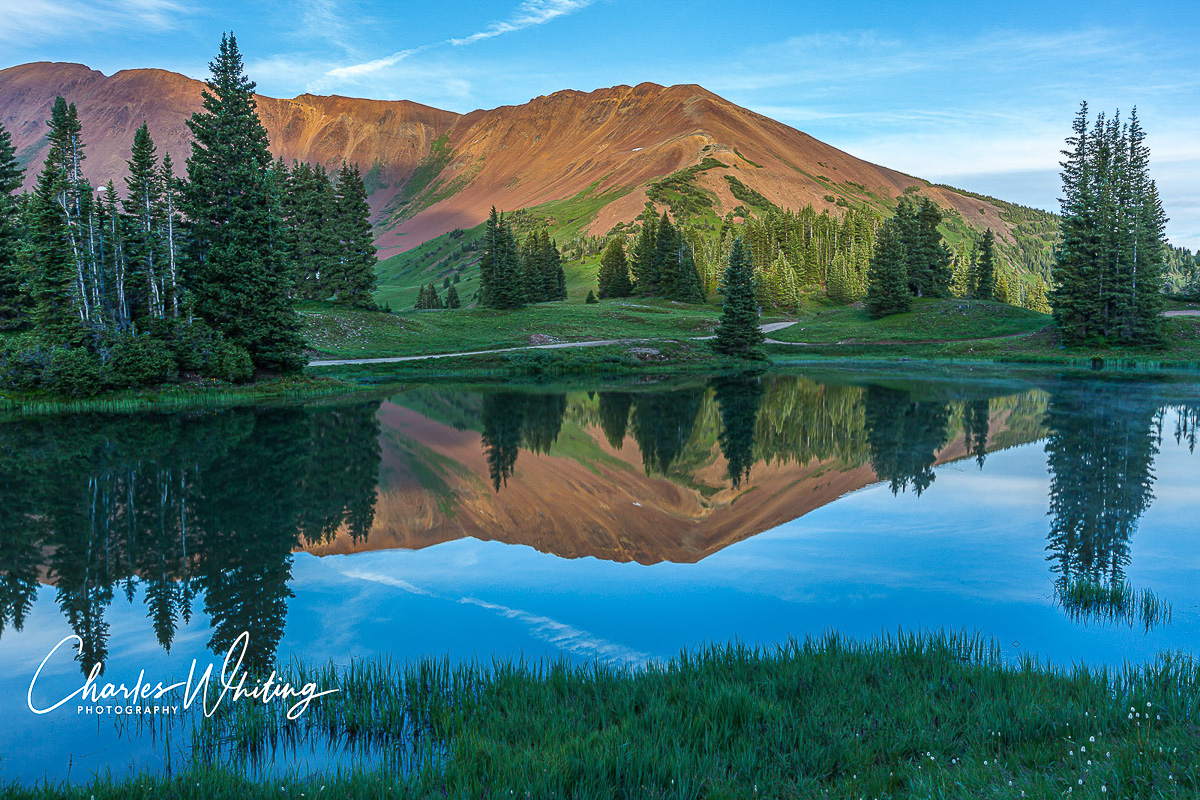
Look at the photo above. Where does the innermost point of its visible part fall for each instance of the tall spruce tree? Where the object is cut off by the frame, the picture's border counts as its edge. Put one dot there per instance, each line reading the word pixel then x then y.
pixel 613 276
pixel 533 269
pixel 1109 269
pixel 927 260
pixel 238 275
pixel 645 275
pixel 74 201
pixel 502 283
pixel 356 284
pixel 49 260
pixel 887 279
pixel 666 258
pixel 738 333
pixel 13 304
pixel 144 292
pixel 983 279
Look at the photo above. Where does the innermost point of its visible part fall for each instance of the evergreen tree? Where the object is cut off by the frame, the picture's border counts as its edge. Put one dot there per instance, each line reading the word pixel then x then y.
pixel 48 258
pixel 591 298
pixel 738 399
pixel 613 276
pixel 452 300
pixel 73 197
pixel 554 277
pixel 666 258
pixel 738 333
pixel 500 273
pixel 13 303
pixel 645 276
pixel 170 230
pixel 1109 270
pixel 904 435
pixel 356 284
pixel 144 292
pixel 314 227
pixel 926 258
pixel 238 275
pixel 888 285
pixel 533 279
pixel 983 282
pixel 613 410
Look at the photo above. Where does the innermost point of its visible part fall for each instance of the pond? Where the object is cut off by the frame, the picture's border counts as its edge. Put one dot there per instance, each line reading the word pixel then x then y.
pixel 1054 514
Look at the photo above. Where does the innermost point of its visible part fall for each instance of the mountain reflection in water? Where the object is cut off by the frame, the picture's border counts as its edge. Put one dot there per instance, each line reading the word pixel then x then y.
pixel 213 504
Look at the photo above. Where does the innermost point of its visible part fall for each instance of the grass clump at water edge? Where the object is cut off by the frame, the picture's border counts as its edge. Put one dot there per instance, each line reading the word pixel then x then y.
pixel 908 716
pixel 1085 599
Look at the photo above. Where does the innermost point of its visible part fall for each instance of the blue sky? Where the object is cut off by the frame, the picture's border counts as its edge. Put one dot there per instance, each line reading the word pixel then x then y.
pixel 979 95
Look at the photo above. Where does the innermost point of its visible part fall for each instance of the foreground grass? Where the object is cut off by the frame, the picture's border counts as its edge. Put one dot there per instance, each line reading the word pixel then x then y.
pixel 929 320
pixel 1181 350
pixel 912 716
pixel 343 333
pixel 175 397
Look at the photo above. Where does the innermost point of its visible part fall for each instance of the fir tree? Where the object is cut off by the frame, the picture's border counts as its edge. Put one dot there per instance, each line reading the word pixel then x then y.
pixel 665 259
pixel 738 333
pixel 170 229
pixel 554 277
pixel 613 276
pixel 738 399
pixel 74 200
pixel 613 410
pixel 356 286
pixel 888 285
pixel 13 305
pixel 983 281
pixel 1110 266
pixel 238 275
pixel 645 276
pixel 500 274
pixel 49 260
pixel 452 300
pixel 532 270
pixel 143 203
pixel 591 298
pixel 926 258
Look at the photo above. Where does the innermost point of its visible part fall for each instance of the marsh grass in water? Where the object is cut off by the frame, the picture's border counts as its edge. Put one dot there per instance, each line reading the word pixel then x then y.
pixel 1085 599
pixel 907 716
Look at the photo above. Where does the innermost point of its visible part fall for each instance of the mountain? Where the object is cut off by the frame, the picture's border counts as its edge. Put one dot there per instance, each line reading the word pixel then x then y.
pixel 585 498
pixel 431 171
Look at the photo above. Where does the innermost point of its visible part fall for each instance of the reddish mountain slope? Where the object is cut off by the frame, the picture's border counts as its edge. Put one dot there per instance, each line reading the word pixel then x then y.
pixel 610 140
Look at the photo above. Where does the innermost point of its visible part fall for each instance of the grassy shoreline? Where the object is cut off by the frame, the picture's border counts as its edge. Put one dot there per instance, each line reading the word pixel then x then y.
pixel 930 715
pixel 178 397
pixel 658 338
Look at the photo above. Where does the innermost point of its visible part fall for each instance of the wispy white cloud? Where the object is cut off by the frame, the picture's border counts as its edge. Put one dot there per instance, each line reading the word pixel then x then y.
pixel 528 14
pixel 368 67
pixel 323 20
pixel 31 21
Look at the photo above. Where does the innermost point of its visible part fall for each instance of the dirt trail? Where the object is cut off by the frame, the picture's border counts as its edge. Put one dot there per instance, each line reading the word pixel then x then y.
pixel 768 327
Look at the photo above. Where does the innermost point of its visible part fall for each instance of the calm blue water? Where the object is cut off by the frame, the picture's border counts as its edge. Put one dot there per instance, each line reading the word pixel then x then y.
pixel 479 523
